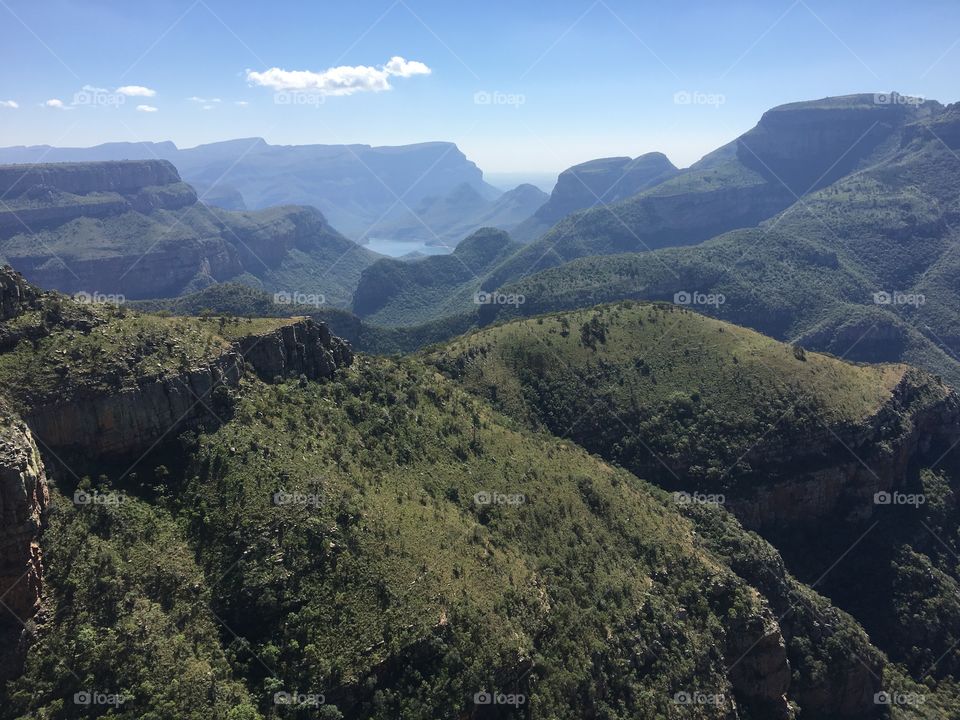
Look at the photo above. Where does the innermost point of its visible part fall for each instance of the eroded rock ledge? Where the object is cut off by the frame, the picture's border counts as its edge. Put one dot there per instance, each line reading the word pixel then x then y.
pixel 132 420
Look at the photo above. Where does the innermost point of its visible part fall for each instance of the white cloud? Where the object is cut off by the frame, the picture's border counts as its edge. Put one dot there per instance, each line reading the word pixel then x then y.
pixel 146 108
pixel 208 107
pixel 9 104
pixel 241 103
pixel 55 103
pixel 136 91
pixel 343 80
pixel 405 68
pixel 205 101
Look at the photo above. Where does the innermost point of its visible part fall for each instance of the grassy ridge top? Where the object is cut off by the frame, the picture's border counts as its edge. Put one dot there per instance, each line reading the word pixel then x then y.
pixel 69 347
pixel 680 351
pixel 653 384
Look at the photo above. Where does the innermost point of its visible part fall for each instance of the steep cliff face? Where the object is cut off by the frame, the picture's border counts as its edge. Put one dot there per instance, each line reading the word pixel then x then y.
pixel 15 294
pixel 23 502
pixel 809 145
pixel 605 180
pixel 83 178
pixel 131 420
pixel 39 197
pixel 836 474
pixel 134 229
pixel 304 348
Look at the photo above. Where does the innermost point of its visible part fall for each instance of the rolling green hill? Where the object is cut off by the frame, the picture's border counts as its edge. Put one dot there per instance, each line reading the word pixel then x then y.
pixel 797 445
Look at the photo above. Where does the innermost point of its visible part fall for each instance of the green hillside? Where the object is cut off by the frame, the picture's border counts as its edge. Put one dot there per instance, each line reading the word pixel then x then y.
pixel 387 540
pixel 796 444
pixel 399 292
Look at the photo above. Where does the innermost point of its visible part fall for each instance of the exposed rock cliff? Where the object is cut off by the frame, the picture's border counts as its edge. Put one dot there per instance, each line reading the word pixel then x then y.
pixel 44 196
pixel 131 420
pixel 304 348
pixel 23 503
pixel 835 474
pixel 15 293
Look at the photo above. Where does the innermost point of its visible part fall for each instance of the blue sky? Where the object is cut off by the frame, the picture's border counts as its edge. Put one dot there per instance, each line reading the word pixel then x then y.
pixel 558 82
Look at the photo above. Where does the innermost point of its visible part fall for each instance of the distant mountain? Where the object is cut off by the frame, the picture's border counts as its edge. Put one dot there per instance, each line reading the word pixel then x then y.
pixel 794 149
pixel 361 189
pixel 865 267
pixel 448 219
pixel 596 182
pixel 133 228
pixel 409 292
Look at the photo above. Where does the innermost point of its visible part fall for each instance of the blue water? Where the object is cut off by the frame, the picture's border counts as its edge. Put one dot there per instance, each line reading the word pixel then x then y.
pixel 396 248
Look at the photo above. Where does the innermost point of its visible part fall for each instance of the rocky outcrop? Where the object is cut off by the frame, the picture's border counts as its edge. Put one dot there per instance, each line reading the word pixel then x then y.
pixel 132 420
pixel 835 474
pixel 127 177
pixel 23 502
pixel 304 348
pixel 758 668
pixel 16 295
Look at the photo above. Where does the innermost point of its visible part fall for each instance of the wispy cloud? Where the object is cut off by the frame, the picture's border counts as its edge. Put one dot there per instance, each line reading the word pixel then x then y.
pixel 146 108
pixel 136 91
pixel 9 104
pixel 342 80
pixel 241 103
pixel 204 101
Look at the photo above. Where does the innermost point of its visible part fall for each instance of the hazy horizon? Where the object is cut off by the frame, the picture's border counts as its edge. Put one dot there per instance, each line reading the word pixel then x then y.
pixel 511 86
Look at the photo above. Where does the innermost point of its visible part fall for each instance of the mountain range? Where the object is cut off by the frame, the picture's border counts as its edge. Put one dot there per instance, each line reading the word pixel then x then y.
pixel 428 192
